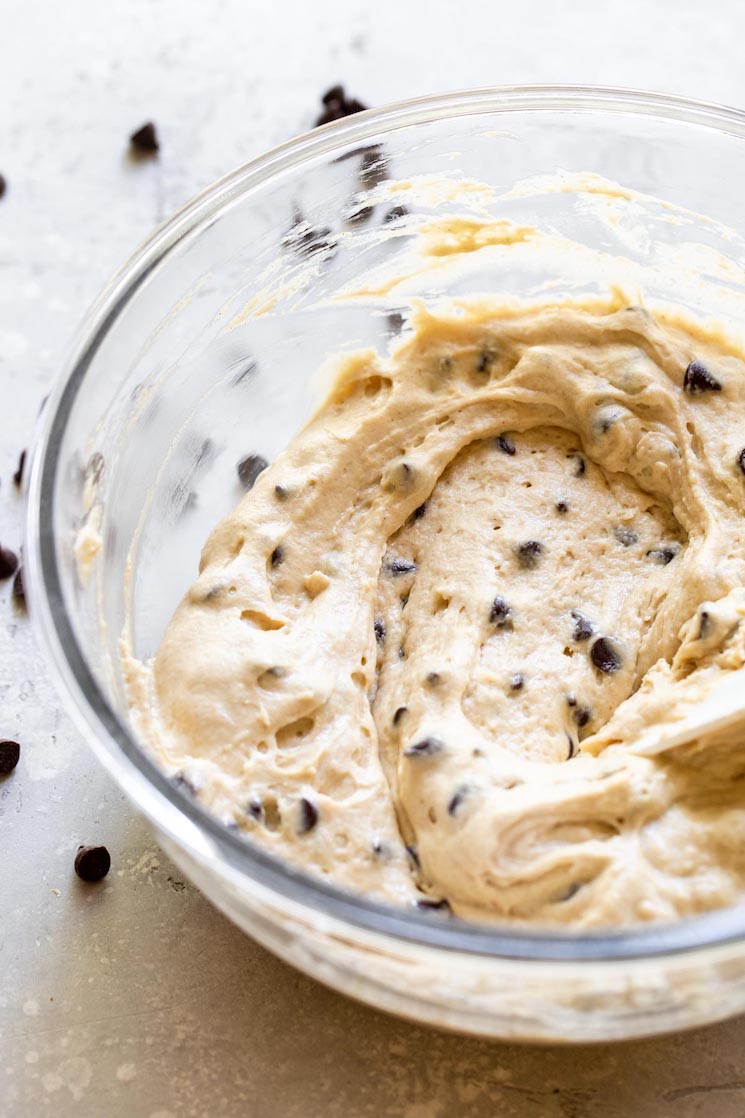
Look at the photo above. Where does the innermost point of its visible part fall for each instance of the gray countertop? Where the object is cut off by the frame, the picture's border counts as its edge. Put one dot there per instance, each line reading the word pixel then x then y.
pixel 136 999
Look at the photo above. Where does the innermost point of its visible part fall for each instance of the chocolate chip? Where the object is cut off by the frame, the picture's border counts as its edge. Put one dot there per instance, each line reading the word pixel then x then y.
pixel 357 212
pixel 3 186
pixel 605 421
pixel 373 169
pixel 402 651
pixel 178 780
pixel 277 556
pixel 429 905
pixel 399 566
pixel 626 536
pixel 18 475
pixel 92 863
pixel 485 361
pixel 145 139
pixel 662 555
pixel 10 751
pixel 281 492
pixel 433 679
pixel 517 682
pixel 583 627
pixel 255 808
pixel 379 849
pixel 396 321
pixel 457 798
pixel 741 460
pixel 8 562
pixel 580 714
pixel 605 654
pixel 95 467
pixel 395 213
pixel 506 445
pixel 379 627
pixel 528 554
pixel 427 747
pixel 338 105
pixel 413 854
pixel 562 507
pixel 419 512
pixel 704 624
pixel 308 816
pixel 698 379
pixel 19 587
pixel 306 240
pixel 398 715
pixel 249 469
pixel 500 614
pixel 572 747
pixel 580 466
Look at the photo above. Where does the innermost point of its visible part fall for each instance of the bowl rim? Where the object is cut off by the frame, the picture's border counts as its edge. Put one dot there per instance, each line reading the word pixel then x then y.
pixel 167 805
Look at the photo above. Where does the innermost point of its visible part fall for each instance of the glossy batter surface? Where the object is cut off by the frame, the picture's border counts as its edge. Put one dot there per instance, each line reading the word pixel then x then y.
pixel 420 650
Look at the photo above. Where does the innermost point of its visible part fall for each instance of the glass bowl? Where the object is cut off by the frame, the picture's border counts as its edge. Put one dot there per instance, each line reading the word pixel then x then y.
pixel 205 347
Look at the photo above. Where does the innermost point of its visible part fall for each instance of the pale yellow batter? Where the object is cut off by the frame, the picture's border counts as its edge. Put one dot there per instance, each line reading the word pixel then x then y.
pixel 420 650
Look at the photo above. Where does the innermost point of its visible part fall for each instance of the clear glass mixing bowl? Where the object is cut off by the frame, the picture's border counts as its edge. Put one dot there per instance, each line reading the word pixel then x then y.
pixel 203 349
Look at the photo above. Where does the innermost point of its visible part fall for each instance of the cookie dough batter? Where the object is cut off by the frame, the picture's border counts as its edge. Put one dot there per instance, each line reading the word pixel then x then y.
pixel 420 650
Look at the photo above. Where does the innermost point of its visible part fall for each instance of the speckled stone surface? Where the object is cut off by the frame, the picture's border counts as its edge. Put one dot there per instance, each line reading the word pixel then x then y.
pixel 135 999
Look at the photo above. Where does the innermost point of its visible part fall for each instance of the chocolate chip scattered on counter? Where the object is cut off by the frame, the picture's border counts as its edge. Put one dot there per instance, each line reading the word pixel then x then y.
pixel 698 379
pixel 398 715
pixel 277 556
pixel 249 469
pixel 562 507
pixel 18 475
pixel 741 460
pixel 145 140
pixel 606 655
pixel 625 536
pixel 92 863
pixel 395 213
pixel 429 905
pixel 457 798
pixel 19 587
pixel 379 627
pixel 337 105
pixel 419 511
pixel 501 613
pixel 3 186
pixel 10 751
pixel 529 553
pixel 399 566
pixel 8 562
pixel 583 627
pixel 427 747
pixel 662 555
pixel 308 816
pixel 506 445
pixel 517 682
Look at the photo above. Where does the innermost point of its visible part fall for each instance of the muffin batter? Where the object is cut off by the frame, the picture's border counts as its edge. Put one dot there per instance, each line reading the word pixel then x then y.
pixel 420 650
